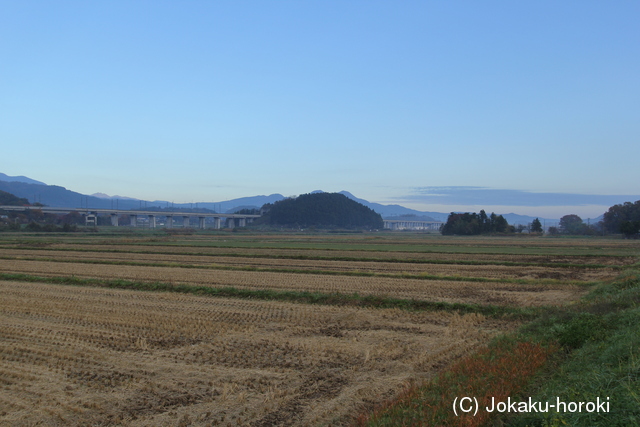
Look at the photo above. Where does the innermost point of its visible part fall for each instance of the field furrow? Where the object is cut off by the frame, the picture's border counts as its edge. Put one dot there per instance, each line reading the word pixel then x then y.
pixel 484 271
pixel 81 356
pixel 353 255
pixel 496 293
pixel 87 354
pixel 461 270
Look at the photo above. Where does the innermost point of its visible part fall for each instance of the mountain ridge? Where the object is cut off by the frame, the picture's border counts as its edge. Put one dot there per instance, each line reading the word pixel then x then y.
pixel 57 196
pixel 26 180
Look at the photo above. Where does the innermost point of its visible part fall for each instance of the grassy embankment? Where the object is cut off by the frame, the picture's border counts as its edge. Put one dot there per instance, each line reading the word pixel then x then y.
pixel 581 353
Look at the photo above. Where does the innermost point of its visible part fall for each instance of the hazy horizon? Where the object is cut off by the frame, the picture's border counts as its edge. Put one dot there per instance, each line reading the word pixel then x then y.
pixel 485 199
pixel 508 107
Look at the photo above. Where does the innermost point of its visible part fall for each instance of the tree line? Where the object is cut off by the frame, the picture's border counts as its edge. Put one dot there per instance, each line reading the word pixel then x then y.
pixel 623 218
pixel 467 224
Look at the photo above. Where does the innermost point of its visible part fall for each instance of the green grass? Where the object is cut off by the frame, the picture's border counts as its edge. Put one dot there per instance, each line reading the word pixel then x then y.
pixel 604 366
pixel 594 353
pixel 601 337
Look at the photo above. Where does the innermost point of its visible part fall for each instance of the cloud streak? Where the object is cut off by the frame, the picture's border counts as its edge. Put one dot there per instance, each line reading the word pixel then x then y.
pixel 478 196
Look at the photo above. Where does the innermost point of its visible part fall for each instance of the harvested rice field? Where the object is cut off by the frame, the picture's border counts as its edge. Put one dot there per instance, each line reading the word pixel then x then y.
pixel 428 290
pixel 90 356
pixel 86 353
pixel 436 267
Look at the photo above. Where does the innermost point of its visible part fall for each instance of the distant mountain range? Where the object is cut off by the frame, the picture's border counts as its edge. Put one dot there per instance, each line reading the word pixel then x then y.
pixel 106 196
pixel 56 196
pixel 24 179
pixel 399 212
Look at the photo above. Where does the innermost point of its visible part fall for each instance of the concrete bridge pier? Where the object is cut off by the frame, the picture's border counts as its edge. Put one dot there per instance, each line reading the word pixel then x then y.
pixel 216 223
pixel 152 221
pixel 134 220
pixel 243 222
pixel 114 219
pixel 91 219
pixel 202 222
pixel 169 221
pixel 185 222
pixel 231 223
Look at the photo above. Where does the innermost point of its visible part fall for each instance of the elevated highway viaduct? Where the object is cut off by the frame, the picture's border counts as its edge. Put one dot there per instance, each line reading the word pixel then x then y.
pixel 392 224
pixel 91 214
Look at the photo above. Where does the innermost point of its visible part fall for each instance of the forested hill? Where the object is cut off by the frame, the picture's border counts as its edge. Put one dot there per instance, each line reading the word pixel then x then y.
pixel 325 210
pixel 8 199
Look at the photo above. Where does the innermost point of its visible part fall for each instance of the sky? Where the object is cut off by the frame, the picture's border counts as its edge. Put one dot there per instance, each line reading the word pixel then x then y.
pixel 524 107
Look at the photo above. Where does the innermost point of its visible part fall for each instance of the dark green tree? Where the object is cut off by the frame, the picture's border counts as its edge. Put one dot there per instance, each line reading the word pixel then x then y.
pixel 500 224
pixel 485 223
pixel 630 228
pixel 536 226
pixel 618 214
pixel 572 224
pixel 466 224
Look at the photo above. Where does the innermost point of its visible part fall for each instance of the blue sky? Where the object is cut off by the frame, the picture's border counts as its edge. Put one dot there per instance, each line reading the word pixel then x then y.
pixel 525 107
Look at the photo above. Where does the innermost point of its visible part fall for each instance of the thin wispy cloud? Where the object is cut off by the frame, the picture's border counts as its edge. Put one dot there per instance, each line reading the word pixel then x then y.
pixel 477 196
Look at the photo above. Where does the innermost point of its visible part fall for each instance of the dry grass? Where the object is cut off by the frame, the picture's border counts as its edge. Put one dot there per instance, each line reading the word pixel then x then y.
pixel 483 271
pixel 94 356
pixel 496 293
pixel 80 355
pixel 432 254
